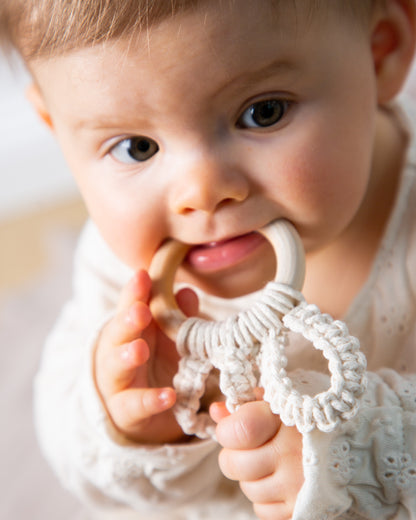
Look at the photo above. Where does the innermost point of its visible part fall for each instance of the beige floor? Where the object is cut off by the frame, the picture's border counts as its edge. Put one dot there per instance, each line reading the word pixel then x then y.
pixel 36 252
pixel 23 251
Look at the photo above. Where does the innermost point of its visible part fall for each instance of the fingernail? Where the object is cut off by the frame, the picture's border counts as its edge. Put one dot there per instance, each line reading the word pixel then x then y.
pixel 130 316
pixel 166 398
pixel 126 354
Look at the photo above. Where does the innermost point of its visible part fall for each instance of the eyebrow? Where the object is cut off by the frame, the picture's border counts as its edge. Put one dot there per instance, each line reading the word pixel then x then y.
pixel 106 123
pixel 247 78
pixel 262 73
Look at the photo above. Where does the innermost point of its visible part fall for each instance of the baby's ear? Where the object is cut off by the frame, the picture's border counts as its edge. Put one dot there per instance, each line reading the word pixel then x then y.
pixel 393 40
pixel 34 95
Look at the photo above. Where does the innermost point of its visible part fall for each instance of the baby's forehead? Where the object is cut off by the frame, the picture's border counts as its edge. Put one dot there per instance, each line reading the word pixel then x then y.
pixel 224 54
pixel 58 26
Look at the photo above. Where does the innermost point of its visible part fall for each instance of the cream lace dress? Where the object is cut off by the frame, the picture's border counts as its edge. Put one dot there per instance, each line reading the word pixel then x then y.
pixel 364 468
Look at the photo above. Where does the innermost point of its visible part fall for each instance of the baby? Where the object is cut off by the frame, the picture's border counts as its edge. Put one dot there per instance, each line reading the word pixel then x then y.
pixel 204 121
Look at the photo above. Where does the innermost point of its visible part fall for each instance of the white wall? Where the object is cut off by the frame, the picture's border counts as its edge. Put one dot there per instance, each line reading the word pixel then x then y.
pixel 32 169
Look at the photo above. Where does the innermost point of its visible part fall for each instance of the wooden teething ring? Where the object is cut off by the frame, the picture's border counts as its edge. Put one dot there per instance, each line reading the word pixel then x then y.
pixel 237 369
pixel 291 271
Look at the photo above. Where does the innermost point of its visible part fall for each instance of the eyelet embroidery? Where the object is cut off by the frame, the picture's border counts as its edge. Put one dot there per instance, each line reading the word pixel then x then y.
pixel 343 462
pixel 399 469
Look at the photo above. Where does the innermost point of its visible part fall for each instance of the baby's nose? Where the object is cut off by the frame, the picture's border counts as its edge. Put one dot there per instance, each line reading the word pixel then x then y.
pixel 207 183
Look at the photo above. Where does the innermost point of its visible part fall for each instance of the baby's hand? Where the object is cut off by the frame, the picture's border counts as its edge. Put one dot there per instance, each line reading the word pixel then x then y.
pixel 134 367
pixel 263 454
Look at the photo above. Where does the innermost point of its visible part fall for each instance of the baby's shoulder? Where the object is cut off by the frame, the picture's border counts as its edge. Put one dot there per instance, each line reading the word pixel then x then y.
pixel 98 273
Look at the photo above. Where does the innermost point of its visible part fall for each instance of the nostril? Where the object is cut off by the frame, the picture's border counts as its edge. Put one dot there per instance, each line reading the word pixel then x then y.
pixel 186 211
pixel 206 208
pixel 225 202
pixel 207 191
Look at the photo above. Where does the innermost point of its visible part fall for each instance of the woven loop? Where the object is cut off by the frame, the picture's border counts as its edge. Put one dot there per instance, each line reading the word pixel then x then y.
pixel 346 363
pixel 231 346
pixel 249 351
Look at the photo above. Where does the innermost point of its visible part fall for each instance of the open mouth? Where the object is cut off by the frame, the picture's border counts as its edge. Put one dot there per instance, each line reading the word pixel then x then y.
pixel 223 254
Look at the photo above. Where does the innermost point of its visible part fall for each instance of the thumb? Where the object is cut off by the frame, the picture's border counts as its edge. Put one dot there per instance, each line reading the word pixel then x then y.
pixel 187 301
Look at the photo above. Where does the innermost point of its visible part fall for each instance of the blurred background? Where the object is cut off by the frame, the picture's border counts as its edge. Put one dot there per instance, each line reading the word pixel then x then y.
pixel 41 215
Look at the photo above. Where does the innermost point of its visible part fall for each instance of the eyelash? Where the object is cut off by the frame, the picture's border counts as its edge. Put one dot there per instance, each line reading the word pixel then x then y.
pixel 137 149
pixel 265 109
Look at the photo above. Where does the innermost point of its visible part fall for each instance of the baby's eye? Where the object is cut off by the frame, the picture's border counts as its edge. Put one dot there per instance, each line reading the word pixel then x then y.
pixel 134 149
pixel 263 113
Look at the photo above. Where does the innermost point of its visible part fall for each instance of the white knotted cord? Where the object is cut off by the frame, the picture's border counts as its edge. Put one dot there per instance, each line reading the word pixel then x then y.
pixel 248 349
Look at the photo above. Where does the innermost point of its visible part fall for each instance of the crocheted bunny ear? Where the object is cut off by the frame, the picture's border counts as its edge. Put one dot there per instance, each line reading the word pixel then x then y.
pixel 248 349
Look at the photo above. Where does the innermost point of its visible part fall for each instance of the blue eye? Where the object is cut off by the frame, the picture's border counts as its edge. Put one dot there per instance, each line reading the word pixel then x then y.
pixel 134 149
pixel 263 114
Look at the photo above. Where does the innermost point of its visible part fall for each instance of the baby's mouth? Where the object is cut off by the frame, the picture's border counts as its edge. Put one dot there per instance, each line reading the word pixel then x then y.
pixel 223 254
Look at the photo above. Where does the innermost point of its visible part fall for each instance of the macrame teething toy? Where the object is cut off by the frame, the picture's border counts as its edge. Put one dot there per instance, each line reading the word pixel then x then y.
pixel 248 349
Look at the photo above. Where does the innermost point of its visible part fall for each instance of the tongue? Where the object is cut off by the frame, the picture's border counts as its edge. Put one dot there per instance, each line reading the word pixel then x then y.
pixel 220 255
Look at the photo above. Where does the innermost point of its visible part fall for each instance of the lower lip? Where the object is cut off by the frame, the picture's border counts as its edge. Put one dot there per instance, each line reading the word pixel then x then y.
pixel 225 254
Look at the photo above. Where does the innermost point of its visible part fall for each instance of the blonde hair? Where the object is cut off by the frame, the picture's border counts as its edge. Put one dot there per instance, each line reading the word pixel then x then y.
pixel 41 28
pixel 38 28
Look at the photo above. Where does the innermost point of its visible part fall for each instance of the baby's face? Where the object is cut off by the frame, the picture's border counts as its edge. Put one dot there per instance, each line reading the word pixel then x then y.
pixel 211 125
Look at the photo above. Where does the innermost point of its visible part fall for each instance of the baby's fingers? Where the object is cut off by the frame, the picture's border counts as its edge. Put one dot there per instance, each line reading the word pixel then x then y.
pixel 120 368
pixel 218 411
pixel 187 301
pixel 121 351
pixel 133 314
pixel 137 289
pixel 127 325
pixel 131 409
pixel 252 425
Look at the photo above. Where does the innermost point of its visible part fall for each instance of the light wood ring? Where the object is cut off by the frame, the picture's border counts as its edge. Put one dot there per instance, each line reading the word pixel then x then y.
pixel 291 271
